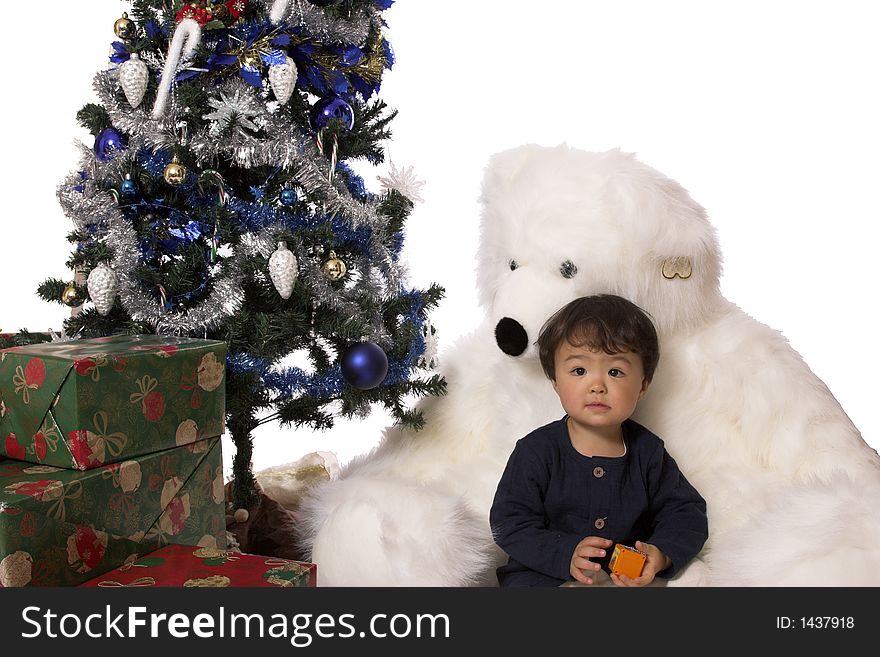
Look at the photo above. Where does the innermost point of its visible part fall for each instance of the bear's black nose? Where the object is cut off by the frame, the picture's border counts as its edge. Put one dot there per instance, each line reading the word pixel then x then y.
pixel 511 337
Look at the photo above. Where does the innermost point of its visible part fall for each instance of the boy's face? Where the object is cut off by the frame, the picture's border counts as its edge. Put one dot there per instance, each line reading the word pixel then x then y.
pixel 598 390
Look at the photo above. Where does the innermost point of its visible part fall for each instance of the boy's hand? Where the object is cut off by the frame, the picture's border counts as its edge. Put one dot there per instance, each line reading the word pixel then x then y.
pixel 591 546
pixel 655 562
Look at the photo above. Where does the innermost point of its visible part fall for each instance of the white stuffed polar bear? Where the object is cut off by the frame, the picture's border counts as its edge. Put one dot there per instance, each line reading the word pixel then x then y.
pixel 792 489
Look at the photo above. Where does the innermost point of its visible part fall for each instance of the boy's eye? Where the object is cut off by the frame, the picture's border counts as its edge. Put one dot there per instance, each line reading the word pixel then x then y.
pixel 579 371
pixel 615 372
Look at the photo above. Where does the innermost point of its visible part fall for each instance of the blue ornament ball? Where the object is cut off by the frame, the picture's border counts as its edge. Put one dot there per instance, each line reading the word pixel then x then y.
pixel 332 107
pixel 128 189
pixel 288 197
pixel 365 365
pixel 108 142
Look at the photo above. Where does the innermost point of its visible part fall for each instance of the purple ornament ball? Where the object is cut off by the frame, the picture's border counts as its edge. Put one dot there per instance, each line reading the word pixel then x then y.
pixel 364 365
pixel 108 141
pixel 332 107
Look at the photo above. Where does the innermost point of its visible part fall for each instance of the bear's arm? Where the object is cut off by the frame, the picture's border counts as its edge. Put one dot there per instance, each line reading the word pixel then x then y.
pixel 519 522
pixel 680 526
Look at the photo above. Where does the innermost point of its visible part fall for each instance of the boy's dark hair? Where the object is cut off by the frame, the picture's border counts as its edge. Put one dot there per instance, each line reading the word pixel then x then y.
pixel 604 322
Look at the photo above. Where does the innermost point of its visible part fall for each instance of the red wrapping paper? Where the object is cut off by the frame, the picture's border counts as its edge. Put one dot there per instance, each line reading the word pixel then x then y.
pixel 190 566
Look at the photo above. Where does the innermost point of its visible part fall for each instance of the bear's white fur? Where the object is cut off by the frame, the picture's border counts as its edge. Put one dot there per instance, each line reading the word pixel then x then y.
pixel 791 487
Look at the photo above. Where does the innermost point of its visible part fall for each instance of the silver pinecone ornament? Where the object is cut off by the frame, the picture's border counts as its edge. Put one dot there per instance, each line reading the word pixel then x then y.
pixel 283 270
pixel 282 77
pixel 102 285
pixel 133 75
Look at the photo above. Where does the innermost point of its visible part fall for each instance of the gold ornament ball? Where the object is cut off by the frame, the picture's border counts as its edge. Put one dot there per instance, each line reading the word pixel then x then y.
pixel 175 173
pixel 70 296
pixel 334 268
pixel 124 27
pixel 241 515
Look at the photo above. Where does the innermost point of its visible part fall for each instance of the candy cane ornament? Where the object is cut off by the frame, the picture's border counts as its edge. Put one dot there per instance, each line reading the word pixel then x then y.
pixel 186 39
pixel 279 9
pixel 334 154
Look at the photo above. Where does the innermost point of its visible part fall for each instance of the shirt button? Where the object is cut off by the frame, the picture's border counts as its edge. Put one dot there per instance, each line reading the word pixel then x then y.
pixel 598 472
pixel 600 523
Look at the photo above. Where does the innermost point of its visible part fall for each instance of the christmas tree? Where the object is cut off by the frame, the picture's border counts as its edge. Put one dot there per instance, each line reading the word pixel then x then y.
pixel 217 201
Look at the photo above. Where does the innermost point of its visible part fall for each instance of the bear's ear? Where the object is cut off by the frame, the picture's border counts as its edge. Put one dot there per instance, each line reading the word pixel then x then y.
pixel 684 236
pixel 676 246
pixel 504 168
pixel 658 212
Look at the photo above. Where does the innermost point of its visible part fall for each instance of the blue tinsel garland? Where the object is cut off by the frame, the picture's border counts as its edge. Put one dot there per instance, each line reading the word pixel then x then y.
pixel 293 381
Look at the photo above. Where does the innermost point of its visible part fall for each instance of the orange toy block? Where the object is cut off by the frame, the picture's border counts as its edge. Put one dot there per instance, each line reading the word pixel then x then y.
pixel 627 561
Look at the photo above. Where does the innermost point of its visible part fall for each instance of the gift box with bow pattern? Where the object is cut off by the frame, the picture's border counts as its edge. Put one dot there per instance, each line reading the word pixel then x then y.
pixel 61 527
pixel 85 403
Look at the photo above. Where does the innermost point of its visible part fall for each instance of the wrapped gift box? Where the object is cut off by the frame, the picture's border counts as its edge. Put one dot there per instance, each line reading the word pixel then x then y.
pixel 61 527
pixel 182 566
pixel 85 403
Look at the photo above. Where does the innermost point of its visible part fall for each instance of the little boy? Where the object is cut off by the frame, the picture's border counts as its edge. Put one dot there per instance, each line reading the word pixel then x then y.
pixel 574 487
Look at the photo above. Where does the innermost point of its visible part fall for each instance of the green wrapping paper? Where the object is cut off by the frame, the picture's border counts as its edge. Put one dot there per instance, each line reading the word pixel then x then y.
pixel 85 403
pixel 62 527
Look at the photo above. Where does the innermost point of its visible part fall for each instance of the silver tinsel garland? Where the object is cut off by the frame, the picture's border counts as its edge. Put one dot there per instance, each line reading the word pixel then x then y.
pixel 96 208
pixel 315 21
pixel 287 147
pixel 225 299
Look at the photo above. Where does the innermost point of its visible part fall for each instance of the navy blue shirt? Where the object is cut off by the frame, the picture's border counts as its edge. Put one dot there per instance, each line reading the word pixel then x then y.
pixel 551 497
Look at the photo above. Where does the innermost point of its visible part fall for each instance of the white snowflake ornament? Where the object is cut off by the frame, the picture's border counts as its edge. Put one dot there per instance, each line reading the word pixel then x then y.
pixel 404 181
pixel 235 108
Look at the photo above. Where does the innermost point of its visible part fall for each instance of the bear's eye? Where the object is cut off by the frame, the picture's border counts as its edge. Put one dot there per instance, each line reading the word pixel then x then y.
pixel 513 265
pixel 568 269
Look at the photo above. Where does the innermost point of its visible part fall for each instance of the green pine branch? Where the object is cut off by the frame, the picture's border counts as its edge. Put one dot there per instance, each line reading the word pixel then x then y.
pixel 90 324
pixel 301 412
pixel 90 256
pixel 94 118
pixel 22 338
pixel 397 208
pixel 371 130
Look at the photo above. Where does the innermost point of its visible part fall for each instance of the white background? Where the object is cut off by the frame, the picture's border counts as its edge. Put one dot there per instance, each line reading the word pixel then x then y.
pixel 767 112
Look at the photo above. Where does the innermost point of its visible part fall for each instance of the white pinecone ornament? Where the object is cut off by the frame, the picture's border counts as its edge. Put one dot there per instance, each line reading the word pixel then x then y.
pixel 283 270
pixel 282 77
pixel 102 285
pixel 133 75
